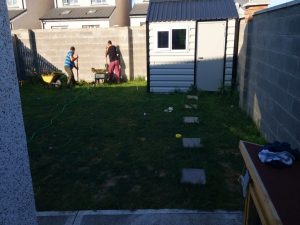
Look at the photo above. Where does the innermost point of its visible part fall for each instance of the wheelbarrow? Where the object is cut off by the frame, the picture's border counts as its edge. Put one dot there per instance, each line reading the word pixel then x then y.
pixel 100 75
pixel 52 80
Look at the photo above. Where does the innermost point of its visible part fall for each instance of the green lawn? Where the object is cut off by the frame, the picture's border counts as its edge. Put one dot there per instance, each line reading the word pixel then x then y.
pixel 93 148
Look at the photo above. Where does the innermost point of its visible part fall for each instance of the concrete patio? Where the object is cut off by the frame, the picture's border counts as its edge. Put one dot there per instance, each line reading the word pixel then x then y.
pixel 141 217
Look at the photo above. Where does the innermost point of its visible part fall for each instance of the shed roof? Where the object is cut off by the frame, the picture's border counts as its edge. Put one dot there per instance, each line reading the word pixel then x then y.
pixel 15 13
pixel 139 9
pixel 187 10
pixel 79 13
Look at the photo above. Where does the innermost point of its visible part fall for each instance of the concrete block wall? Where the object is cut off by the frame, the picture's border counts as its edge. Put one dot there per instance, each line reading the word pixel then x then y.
pixel 139 53
pixel 269 72
pixel 53 45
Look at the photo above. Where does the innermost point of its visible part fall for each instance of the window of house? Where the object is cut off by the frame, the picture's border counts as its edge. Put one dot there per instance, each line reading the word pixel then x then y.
pixel 59 27
pixel 70 2
pixel 172 39
pixel 91 11
pixel 95 2
pixel 163 39
pixel 179 39
pixel 66 12
pixel 12 3
pixel 90 26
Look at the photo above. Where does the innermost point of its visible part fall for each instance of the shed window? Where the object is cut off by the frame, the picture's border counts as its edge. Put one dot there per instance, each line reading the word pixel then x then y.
pixel 179 39
pixel 172 39
pixel 163 39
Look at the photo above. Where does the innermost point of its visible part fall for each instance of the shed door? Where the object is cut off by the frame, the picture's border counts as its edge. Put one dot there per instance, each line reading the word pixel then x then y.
pixel 210 55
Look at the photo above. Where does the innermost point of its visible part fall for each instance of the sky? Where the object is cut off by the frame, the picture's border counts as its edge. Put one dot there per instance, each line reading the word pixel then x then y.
pixel 278 2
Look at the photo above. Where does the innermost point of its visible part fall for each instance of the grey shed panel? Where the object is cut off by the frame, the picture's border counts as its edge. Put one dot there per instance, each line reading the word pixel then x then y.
pixel 188 10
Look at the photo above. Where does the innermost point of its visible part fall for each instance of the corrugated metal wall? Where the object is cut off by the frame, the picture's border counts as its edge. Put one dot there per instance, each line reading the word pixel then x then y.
pixel 171 70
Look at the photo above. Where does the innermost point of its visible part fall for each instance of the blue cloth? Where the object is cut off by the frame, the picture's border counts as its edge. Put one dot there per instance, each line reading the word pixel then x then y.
pixel 68 61
pixel 276 159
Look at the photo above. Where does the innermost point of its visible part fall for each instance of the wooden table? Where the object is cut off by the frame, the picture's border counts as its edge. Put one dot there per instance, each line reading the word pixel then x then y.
pixel 274 194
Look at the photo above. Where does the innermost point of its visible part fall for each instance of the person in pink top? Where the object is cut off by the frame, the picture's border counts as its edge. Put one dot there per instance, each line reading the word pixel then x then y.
pixel 114 64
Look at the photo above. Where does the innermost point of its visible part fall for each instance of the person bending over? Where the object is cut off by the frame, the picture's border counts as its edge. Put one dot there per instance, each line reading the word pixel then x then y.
pixel 114 64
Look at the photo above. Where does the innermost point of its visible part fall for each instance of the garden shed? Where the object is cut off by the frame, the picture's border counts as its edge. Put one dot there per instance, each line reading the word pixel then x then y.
pixel 191 42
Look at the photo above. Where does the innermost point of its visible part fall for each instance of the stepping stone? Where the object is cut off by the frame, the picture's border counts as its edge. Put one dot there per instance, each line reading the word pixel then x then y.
pixel 191 119
pixel 193 176
pixel 191 142
pixel 187 106
pixel 191 106
pixel 194 97
pixel 195 106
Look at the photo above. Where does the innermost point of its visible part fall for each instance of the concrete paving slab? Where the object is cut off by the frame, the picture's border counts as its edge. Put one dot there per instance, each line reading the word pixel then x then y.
pixel 193 176
pixel 191 106
pixel 194 106
pixel 158 217
pixel 190 119
pixel 56 218
pixel 192 97
pixel 191 142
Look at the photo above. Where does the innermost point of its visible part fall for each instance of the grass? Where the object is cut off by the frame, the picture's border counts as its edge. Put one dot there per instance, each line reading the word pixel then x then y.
pixel 95 148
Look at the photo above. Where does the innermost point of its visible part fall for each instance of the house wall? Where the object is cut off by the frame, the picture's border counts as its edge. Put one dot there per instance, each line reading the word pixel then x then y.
pixel 84 3
pixel 73 24
pixel 170 70
pixel 47 49
pixel 269 72
pixel 17 204
pixel 30 19
pixel 137 21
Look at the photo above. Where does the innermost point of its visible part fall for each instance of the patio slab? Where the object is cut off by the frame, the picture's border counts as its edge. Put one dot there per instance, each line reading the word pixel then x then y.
pixel 147 217
pixel 190 119
pixel 56 218
pixel 191 142
pixel 193 176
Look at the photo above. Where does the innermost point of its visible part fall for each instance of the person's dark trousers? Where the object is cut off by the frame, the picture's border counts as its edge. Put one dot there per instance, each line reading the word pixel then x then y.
pixel 71 80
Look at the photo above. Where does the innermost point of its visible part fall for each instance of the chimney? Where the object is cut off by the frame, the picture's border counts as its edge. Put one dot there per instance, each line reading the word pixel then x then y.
pixel 120 16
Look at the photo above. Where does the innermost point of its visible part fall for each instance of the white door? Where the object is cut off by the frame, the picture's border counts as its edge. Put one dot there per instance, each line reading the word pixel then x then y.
pixel 210 55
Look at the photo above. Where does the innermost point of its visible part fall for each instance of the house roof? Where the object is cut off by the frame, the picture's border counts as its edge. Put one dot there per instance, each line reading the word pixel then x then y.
pixel 79 13
pixel 15 13
pixel 139 9
pixel 186 10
